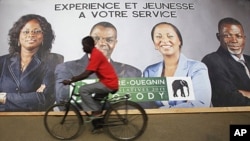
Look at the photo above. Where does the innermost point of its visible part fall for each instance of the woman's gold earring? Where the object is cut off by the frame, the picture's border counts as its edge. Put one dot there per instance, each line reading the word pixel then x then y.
pixel 18 44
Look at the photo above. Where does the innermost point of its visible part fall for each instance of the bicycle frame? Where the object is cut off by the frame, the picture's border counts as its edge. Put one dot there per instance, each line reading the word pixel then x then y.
pixel 107 101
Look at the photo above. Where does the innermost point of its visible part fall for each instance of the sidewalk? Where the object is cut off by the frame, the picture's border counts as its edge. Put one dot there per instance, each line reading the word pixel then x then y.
pixel 173 127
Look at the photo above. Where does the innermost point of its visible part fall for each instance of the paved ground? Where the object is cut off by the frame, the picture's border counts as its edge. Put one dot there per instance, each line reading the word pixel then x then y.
pixel 162 127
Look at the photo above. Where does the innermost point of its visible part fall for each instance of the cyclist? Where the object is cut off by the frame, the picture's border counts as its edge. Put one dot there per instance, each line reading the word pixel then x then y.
pixel 108 80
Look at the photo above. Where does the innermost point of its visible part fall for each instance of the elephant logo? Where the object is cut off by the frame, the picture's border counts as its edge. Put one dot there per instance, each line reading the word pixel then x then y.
pixel 179 85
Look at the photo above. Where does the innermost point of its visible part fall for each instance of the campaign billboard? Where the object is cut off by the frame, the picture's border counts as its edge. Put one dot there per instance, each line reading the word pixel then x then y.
pixel 146 41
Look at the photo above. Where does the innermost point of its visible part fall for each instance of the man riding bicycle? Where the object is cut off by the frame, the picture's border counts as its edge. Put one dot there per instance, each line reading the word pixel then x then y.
pixel 108 80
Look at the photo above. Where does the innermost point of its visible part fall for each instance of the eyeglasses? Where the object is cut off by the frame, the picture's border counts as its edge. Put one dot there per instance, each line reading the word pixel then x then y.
pixel 108 40
pixel 35 32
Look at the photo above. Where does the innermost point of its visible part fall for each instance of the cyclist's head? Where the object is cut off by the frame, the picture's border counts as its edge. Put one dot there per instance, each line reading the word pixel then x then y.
pixel 88 44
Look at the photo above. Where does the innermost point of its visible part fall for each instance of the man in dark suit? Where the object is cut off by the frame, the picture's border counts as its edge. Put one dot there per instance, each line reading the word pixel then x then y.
pixel 228 67
pixel 105 36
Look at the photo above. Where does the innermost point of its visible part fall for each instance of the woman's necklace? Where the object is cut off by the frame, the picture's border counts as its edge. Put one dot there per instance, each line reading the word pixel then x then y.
pixel 24 65
pixel 26 57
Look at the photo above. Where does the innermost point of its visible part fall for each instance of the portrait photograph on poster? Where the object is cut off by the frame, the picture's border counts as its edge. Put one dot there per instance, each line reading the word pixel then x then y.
pixel 170 56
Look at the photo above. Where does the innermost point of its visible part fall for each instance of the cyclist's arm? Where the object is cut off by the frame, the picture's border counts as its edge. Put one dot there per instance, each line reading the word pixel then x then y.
pixel 82 76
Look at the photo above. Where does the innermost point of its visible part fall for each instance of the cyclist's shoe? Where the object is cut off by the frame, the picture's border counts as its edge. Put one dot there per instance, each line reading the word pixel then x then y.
pixel 97 131
pixel 98 125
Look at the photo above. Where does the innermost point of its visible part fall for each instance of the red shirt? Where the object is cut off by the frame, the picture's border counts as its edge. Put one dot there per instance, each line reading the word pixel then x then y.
pixel 103 69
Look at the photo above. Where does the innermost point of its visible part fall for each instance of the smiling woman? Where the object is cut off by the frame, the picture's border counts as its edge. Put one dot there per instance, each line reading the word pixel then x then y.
pixel 30 39
pixel 168 41
pixel 27 72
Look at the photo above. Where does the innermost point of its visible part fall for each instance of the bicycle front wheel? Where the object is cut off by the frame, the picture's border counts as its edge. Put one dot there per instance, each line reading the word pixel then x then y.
pixel 63 121
pixel 125 120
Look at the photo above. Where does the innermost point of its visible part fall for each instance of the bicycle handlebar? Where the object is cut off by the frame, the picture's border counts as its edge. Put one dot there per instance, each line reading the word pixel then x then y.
pixel 72 84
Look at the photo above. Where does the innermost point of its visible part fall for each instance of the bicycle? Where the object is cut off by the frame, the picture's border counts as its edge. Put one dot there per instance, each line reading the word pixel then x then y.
pixel 122 119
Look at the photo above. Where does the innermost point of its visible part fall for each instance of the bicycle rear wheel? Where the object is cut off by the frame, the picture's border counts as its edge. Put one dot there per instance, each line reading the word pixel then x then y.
pixel 62 124
pixel 125 120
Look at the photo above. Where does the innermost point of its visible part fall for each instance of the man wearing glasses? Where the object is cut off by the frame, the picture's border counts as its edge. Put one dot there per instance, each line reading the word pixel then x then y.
pixel 105 36
pixel 228 67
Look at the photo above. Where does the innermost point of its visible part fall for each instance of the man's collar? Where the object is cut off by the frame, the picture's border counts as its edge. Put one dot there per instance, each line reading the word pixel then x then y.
pixel 237 58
